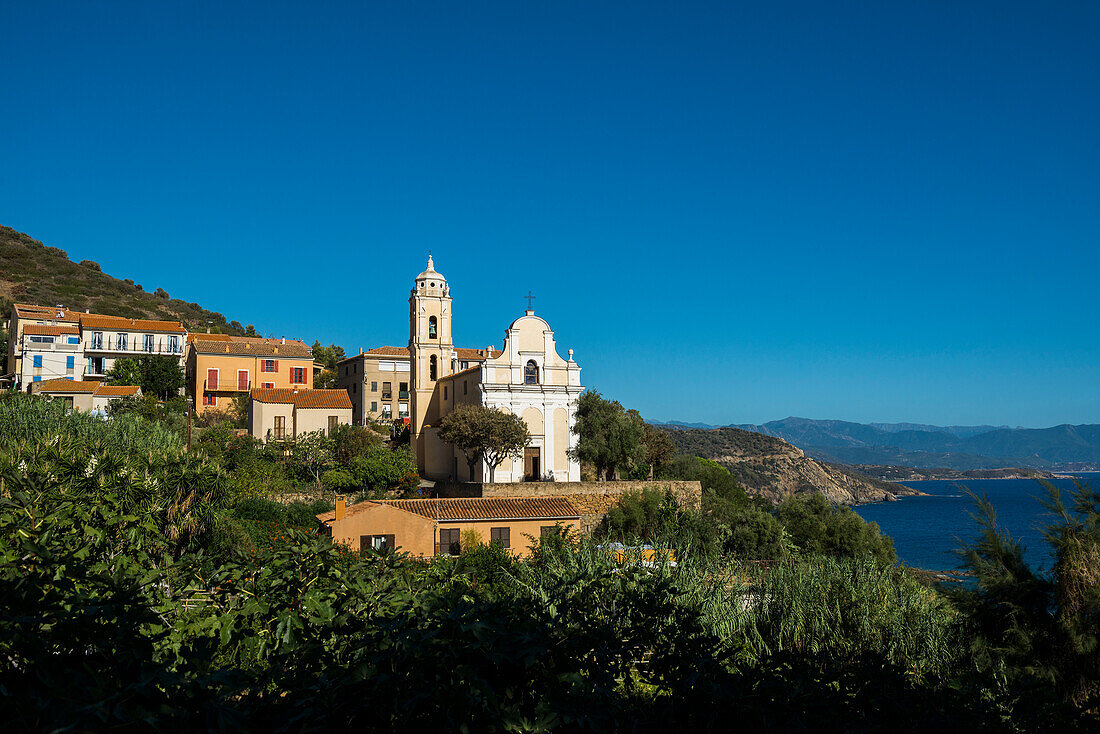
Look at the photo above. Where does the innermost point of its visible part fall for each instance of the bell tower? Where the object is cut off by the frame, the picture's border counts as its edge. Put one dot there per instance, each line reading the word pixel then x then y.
pixel 430 349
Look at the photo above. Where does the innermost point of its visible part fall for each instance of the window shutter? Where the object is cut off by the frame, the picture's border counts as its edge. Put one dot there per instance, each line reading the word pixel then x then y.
pixel 276 365
pixel 364 542
pixel 390 542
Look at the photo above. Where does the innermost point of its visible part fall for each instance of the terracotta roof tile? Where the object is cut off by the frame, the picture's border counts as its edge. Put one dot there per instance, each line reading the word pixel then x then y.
pixel 63 385
pixel 31 311
pixel 303 398
pixel 388 352
pixel 253 348
pixel 117 391
pixel 474 508
pixel 97 321
pixel 462 353
pixel 36 330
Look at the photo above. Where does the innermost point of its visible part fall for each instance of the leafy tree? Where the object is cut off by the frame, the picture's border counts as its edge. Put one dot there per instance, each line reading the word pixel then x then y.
pixel 608 437
pixel 381 468
pixel 326 380
pixel 328 356
pixel 659 448
pixel 157 375
pixel 483 433
pixel 313 452
pixel 816 526
pixel 161 376
pixel 250 330
pixel 1042 629
pixel 125 371
pixel 350 441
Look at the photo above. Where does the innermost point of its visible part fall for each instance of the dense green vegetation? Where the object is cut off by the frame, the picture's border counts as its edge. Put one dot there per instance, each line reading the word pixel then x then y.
pixel 144 587
pixel 734 524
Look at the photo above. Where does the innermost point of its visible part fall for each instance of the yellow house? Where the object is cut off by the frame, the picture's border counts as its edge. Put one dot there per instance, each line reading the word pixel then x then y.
pixel 277 414
pixel 426 527
pixel 219 367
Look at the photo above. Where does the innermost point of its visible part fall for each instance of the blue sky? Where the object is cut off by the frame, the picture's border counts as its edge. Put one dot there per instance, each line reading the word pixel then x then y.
pixel 732 212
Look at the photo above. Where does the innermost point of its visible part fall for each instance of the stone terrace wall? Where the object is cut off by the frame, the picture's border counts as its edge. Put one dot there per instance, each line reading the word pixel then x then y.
pixel 592 499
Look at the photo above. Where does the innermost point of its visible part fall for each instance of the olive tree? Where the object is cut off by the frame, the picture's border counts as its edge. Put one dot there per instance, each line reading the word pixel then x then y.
pixel 483 433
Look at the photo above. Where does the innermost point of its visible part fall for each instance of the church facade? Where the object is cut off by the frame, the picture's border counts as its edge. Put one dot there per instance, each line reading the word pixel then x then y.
pixel 527 377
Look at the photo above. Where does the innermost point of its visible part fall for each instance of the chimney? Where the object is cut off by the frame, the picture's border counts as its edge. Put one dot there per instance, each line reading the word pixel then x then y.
pixel 283 341
pixel 360 350
pixel 340 507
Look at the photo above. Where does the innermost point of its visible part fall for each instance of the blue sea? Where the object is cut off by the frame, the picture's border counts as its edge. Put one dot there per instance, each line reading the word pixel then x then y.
pixel 927 530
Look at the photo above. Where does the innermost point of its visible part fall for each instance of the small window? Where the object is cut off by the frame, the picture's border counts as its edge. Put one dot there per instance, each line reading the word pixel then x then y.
pixel 332 421
pixel 433 331
pixel 374 386
pixel 433 370
pixel 355 387
pixel 298 375
pixel 208 399
pixel 377 542
pixel 464 387
pixel 387 411
pixel 270 366
pixel 38 360
pixel 444 392
pixel 70 363
pixel 531 373
pixel 269 384
pixel 148 343
pixel 280 427
pixel 374 407
pixel 122 340
pixel 502 536
pixel 449 543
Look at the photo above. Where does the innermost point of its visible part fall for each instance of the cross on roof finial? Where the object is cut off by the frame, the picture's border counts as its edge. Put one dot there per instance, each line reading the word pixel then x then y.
pixel 430 265
pixel 529 298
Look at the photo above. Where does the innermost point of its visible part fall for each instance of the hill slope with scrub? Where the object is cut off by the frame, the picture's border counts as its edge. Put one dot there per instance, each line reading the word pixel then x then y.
pixel 770 467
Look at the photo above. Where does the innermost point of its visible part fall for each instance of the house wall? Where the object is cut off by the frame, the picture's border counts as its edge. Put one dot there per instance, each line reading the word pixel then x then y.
pixel 357 374
pixel 520 544
pixel 53 360
pixel 316 419
pixel 228 365
pixel 111 350
pixel 261 418
pixel 414 534
pixel 418 535
pixel 82 401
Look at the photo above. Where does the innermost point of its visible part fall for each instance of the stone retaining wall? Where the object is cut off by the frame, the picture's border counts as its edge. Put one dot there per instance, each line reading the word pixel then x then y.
pixel 592 499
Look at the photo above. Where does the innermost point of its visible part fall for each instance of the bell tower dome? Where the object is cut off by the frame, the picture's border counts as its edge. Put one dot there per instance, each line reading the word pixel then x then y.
pixel 430 347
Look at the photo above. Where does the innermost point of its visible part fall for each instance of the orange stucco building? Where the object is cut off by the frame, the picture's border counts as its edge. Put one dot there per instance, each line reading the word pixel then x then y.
pixel 426 527
pixel 219 367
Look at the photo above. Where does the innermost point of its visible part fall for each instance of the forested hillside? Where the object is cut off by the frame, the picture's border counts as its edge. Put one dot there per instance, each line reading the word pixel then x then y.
pixel 31 272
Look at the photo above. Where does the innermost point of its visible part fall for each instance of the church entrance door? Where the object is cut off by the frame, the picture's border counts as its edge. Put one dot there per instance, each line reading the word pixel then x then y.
pixel 531 468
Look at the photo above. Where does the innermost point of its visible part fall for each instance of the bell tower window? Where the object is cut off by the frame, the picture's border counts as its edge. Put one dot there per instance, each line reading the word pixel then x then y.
pixel 433 369
pixel 433 330
pixel 531 373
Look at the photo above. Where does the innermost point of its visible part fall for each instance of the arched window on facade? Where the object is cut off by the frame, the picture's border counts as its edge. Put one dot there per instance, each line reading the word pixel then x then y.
pixel 432 330
pixel 531 373
pixel 433 369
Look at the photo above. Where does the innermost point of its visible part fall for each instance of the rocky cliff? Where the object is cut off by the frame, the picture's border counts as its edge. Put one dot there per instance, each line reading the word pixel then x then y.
pixel 770 467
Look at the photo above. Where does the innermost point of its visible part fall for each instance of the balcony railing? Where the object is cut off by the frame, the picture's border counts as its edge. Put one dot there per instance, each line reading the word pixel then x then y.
pixel 403 395
pixel 133 346
pixel 226 385
pixel 278 434
pixel 387 395
pixel 50 347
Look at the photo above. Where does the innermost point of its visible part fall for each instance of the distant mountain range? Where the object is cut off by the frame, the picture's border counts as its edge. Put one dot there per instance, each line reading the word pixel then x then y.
pixel 1064 447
